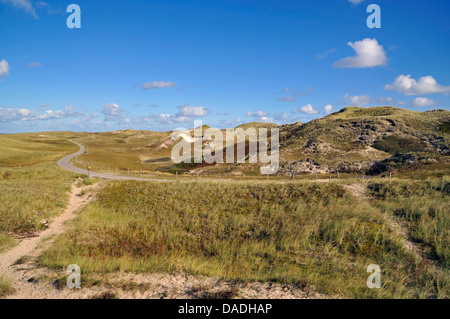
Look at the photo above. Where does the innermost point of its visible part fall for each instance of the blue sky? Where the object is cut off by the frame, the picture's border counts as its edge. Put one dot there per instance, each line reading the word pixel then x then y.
pixel 158 65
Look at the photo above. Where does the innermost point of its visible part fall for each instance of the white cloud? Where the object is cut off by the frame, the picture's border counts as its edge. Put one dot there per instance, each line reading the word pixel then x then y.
pixel 169 119
pixel 260 116
pixel 328 108
pixel 409 86
pixel 11 114
pixel 24 5
pixel 4 69
pixel 113 113
pixel 50 114
pixel 308 108
pixel 356 1
pixel 111 109
pixel 357 100
pixel 158 85
pixel 22 114
pixel 256 114
pixel 192 111
pixel 369 54
pixel 423 102
pixel 186 114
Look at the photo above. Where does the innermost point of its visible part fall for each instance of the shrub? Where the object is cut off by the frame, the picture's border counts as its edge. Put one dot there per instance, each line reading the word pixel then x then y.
pixel 399 145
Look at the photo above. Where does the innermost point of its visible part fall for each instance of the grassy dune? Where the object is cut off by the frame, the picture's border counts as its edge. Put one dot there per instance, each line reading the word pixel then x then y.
pixel 312 235
pixel 129 149
pixel 32 187
pixel 340 140
pixel 424 208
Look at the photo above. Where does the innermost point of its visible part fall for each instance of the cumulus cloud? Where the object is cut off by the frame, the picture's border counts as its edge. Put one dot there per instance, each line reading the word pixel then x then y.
pixel 112 109
pixel 260 116
pixel 186 114
pixel 22 114
pixel 328 108
pixel 357 100
pixel 158 85
pixel 192 111
pixel 308 108
pixel 12 114
pixel 25 5
pixel 369 54
pixel 256 114
pixel 364 100
pixel 168 118
pixel 113 113
pixel 58 114
pixel 409 86
pixel 423 102
pixel 4 69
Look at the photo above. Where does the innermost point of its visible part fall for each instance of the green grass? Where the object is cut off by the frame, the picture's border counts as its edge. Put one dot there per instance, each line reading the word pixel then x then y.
pixel 307 234
pixel 397 145
pixel 5 287
pixel 86 181
pixel 32 187
pixel 445 128
pixel 303 233
pixel 424 207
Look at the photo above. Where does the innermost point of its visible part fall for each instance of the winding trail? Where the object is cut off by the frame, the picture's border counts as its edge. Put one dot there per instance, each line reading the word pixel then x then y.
pixel 18 263
pixel 66 164
pixel 32 281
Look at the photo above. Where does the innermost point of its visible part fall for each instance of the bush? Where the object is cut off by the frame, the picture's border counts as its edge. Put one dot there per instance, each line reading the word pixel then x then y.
pixel 5 287
pixel 399 145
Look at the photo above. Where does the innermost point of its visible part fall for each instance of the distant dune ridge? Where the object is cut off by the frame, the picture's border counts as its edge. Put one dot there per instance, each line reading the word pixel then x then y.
pixel 359 140
pixel 354 140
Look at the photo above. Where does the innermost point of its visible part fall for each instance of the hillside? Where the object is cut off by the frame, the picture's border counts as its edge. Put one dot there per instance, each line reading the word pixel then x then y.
pixel 355 140
pixel 359 139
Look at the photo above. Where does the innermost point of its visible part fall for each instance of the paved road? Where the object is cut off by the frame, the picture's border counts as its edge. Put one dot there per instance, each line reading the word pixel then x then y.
pixel 67 165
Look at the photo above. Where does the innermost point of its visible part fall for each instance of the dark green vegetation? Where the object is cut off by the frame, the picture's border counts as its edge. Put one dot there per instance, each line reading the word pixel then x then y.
pixel 445 128
pixel 32 187
pixel 313 235
pixel 398 145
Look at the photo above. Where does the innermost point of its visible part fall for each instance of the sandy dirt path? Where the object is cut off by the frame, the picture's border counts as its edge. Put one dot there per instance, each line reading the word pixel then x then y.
pixel 398 226
pixel 31 281
pixel 13 261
